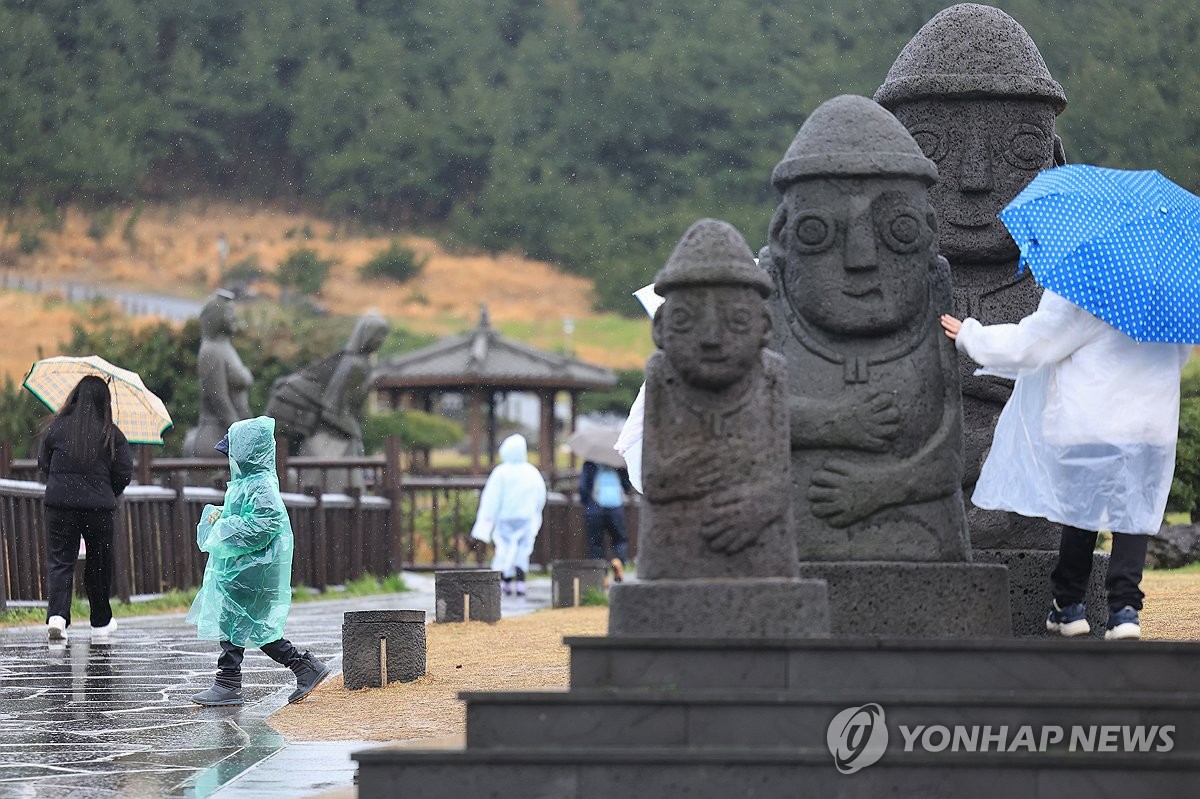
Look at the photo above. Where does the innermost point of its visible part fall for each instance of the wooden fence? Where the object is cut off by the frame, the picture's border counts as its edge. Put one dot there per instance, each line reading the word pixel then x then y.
pixel 425 523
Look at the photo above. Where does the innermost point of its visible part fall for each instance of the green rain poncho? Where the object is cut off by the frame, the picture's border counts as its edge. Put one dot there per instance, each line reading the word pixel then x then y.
pixel 246 593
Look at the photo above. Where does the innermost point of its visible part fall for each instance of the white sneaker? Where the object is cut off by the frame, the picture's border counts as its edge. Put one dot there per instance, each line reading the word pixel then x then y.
pixel 56 628
pixel 106 630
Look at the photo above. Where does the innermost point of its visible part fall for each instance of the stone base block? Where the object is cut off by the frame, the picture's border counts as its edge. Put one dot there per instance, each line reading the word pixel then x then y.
pixel 382 646
pixel 915 600
pixel 720 608
pixel 572 579
pixel 467 595
pixel 1029 588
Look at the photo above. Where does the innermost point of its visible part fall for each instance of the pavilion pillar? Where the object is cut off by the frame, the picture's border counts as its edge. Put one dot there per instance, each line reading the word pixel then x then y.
pixel 475 425
pixel 574 419
pixel 491 428
pixel 546 434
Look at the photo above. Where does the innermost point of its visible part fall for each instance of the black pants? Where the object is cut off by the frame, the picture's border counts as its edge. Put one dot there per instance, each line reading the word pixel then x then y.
pixel 1069 579
pixel 64 528
pixel 229 664
pixel 597 522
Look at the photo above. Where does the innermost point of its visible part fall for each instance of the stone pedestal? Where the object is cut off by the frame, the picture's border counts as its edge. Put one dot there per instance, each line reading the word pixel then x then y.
pixel 467 595
pixel 571 580
pixel 720 608
pixel 915 600
pixel 1029 588
pixel 382 646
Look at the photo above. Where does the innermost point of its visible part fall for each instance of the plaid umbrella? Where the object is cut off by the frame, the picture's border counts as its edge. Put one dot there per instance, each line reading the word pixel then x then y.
pixel 139 413
pixel 1122 244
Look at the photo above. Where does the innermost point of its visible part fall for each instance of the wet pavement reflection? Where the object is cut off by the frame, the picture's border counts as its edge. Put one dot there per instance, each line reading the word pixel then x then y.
pixel 90 718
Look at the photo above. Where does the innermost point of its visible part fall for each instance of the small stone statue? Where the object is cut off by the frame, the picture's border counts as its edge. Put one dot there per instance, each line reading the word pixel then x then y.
pixel 974 92
pixel 873 391
pixel 323 403
pixel 224 380
pixel 715 452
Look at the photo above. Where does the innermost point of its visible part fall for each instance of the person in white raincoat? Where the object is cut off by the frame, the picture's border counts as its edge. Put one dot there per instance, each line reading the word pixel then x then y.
pixel 510 512
pixel 1086 440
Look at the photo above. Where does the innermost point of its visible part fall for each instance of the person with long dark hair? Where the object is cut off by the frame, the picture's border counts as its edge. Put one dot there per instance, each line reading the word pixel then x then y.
pixel 87 464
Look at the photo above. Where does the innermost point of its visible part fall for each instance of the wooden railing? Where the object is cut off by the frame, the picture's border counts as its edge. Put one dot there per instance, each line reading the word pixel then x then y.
pixel 424 523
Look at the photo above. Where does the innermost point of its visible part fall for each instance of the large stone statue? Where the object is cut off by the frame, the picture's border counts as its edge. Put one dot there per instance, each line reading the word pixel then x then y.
pixel 323 403
pixel 973 90
pixel 717 549
pixel 875 425
pixel 873 391
pixel 224 380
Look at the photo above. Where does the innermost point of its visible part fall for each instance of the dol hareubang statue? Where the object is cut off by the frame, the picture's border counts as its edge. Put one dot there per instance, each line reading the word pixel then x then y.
pixel 873 391
pixel 715 452
pixel 975 93
pixel 224 380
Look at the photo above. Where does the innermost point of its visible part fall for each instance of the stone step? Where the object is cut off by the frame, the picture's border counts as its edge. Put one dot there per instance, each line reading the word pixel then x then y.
pixel 867 665
pixel 761 720
pixel 740 774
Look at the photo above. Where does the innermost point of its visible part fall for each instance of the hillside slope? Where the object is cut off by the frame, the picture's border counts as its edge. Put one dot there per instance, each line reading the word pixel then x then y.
pixel 174 250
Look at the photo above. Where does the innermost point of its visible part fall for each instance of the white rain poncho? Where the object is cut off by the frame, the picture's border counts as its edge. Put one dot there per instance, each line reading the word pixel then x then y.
pixel 510 507
pixel 1088 437
pixel 246 594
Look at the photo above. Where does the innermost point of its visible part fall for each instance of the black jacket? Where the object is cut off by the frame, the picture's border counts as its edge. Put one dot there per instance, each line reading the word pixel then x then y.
pixel 83 486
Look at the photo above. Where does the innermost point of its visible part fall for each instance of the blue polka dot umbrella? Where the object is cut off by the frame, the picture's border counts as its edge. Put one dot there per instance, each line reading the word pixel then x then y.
pixel 1122 244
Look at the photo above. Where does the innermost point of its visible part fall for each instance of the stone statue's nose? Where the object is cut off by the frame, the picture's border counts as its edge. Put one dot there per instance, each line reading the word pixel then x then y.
pixel 860 245
pixel 975 168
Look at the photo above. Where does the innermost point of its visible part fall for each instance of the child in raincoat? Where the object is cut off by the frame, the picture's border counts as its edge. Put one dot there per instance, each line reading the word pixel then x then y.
pixel 510 512
pixel 247 592
pixel 1086 440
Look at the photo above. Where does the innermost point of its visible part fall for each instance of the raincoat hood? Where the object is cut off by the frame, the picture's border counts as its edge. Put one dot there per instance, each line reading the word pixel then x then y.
pixel 252 446
pixel 514 449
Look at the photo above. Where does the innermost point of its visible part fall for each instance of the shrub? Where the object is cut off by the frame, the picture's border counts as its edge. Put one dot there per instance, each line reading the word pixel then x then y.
pixel 397 263
pixel 415 429
pixel 304 271
pixel 1185 487
pixel 100 224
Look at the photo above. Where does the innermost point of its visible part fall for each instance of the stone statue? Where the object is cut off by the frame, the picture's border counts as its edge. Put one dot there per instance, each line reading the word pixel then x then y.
pixel 323 403
pixel 973 90
pixel 717 548
pixel 715 452
pixel 873 390
pixel 224 380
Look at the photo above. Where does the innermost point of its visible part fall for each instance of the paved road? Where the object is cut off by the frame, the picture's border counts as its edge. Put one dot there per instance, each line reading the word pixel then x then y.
pixel 92 720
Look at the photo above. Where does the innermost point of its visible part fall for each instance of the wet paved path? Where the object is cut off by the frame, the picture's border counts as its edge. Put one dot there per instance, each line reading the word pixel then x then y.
pixel 96 720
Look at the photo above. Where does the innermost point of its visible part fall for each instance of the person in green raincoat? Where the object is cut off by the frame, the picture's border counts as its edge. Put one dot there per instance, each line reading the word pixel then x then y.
pixel 247 592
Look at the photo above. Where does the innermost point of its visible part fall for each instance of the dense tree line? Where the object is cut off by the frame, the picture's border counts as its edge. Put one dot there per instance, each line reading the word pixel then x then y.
pixel 587 132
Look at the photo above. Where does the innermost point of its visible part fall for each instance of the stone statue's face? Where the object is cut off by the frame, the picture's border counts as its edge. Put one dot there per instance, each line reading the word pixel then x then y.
pixel 856 252
pixel 712 334
pixel 986 151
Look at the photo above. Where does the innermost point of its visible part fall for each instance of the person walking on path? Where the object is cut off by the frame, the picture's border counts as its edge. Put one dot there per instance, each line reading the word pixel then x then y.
pixel 247 594
pixel 602 490
pixel 510 512
pixel 1086 440
pixel 87 464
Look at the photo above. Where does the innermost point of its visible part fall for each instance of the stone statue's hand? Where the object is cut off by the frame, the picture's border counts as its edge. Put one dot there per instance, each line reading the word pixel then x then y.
pixel 841 493
pixel 730 525
pixel 877 421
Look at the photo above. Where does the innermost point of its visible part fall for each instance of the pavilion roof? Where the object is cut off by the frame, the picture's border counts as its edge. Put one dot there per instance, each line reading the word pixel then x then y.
pixel 483 357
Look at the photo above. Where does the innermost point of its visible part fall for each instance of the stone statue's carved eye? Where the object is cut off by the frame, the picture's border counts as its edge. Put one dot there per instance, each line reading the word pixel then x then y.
pixel 901 229
pixel 738 318
pixel 815 230
pixel 932 141
pixel 1026 146
pixel 680 319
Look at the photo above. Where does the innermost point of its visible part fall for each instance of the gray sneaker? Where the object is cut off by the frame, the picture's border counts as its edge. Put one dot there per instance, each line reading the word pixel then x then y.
pixel 219 696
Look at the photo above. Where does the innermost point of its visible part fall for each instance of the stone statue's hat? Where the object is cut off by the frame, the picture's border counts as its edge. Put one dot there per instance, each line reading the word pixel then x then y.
pixel 852 136
pixel 969 51
pixel 712 252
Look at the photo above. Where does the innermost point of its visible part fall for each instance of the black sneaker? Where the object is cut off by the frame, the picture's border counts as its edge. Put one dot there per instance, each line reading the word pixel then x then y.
pixel 1069 621
pixel 219 696
pixel 1122 624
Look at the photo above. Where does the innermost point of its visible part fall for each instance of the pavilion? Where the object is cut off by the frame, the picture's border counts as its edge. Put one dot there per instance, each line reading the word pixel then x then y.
pixel 484 367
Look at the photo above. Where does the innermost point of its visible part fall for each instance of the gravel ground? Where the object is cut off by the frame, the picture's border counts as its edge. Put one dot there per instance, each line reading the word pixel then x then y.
pixel 527 653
